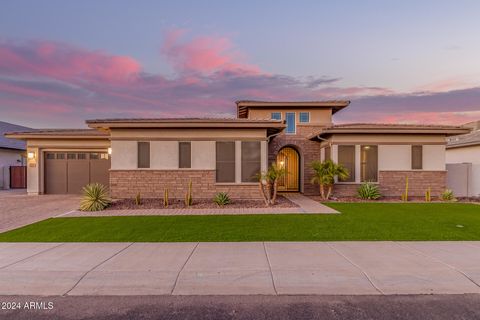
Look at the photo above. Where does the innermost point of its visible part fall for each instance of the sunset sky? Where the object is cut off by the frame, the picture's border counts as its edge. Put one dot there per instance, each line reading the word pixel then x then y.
pixel 62 62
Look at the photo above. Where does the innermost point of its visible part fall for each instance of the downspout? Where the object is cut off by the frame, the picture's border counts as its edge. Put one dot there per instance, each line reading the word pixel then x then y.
pixel 272 135
pixel 320 138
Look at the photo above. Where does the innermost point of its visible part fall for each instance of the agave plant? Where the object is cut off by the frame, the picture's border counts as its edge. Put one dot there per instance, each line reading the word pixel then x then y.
pixel 448 195
pixel 95 197
pixel 369 191
pixel 221 199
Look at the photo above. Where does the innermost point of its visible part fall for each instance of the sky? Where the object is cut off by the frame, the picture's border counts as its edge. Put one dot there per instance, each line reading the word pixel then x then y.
pixel 63 62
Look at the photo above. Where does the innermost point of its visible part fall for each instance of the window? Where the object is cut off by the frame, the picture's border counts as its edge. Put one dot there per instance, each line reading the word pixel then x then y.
pixel 60 156
pixel 71 156
pixel 291 125
pixel 251 159
pixel 94 156
pixel 225 161
pixel 369 163
pixel 417 157
pixel 304 117
pixel 346 157
pixel 82 156
pixel 185 155
pixel 276 116
pixel 143 155
pixel 50 156
pixel 328 153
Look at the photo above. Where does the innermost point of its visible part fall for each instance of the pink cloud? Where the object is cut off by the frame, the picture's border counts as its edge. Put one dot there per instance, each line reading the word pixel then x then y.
pixel 428 117
pixel 61 85
pixel 443 85
pixel 204 54
pixel 64 62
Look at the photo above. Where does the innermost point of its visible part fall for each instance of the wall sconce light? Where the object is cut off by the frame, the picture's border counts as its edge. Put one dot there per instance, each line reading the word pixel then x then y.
pixel 109 150
pixel 31 155
pixel 282 163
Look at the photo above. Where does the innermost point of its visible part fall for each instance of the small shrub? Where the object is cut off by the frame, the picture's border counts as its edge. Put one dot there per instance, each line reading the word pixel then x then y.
pixel 448 195
pixel 369 191
pixel 138 199
pixel 95 197
pixel 221 199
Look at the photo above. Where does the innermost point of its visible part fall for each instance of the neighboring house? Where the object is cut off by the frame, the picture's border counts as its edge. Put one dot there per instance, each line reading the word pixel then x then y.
pixel 12 152
pixel 149 155
pixel 463 162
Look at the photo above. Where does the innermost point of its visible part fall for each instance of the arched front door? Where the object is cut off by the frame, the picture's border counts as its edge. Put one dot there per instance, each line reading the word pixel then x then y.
pixel 289 159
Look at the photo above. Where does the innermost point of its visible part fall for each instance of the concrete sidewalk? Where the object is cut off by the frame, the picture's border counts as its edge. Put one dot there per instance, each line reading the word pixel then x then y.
pixel 241 268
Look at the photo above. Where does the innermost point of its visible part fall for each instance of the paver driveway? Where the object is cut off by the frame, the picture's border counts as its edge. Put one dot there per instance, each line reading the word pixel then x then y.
pixel 18 209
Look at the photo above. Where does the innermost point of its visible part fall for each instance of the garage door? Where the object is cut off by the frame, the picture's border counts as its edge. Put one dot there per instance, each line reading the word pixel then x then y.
pixel 69 172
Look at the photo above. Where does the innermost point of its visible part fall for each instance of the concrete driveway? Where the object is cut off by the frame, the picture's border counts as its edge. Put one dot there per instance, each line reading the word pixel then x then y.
pixel 18 209
pixel 241 268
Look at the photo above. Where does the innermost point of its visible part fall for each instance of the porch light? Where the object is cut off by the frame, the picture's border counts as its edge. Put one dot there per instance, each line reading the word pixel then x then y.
pixel 31 155
pixel 282 163
pixel 109 150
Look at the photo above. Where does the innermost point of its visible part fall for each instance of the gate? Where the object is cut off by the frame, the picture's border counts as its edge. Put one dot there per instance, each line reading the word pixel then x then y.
pixel 18 177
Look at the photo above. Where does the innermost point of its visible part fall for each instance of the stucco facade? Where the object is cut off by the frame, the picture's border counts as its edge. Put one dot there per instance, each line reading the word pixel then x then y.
pixel 394 159
pixel 145 155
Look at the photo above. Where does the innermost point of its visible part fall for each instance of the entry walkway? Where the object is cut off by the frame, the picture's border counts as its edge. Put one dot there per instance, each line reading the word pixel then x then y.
pixel 308 205
pixel 240 268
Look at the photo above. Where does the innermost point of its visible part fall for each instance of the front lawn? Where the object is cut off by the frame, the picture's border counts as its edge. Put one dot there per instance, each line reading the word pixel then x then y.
pixel 358 221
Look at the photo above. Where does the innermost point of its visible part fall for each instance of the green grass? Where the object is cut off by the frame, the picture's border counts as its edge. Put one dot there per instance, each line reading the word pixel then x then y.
pixel 358 221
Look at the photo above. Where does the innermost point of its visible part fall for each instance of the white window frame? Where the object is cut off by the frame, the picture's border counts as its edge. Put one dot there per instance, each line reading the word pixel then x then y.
pixel 271 116
pixel 300 117
pixel 294 122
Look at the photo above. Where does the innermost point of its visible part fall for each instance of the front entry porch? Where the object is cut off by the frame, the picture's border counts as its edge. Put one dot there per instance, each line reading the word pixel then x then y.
pixel 289 159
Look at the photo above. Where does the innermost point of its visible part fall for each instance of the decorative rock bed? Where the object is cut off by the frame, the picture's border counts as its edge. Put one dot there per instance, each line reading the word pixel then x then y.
pixel 129 204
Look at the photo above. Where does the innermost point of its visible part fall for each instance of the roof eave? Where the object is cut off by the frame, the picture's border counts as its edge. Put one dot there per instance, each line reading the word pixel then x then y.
pixel 55 136
pixel 447 132
pixel 244 105
pixel 463 145
pixel 193 125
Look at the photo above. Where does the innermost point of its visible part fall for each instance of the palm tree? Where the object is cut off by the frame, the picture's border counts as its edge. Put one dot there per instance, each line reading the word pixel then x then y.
pixel 268 183
pixel 325 173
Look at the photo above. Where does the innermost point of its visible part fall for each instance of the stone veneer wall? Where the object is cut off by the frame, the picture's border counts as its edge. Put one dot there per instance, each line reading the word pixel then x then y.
pixel 152 183
pixel 392 184
pixel 308 150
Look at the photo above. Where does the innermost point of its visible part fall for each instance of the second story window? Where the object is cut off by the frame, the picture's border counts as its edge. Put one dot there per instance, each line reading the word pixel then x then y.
pixel 291 125
pixel 304 117
pixel 276 116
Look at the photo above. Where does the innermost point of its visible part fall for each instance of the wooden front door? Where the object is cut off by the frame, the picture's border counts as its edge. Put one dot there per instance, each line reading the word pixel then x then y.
pixel 290 160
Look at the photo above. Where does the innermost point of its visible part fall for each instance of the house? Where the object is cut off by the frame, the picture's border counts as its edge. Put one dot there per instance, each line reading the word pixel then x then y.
pixel 12 152
pixel 148 155
pixel 463 162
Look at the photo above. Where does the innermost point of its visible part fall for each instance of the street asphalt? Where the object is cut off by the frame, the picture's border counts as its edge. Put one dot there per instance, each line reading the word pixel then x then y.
pixel 407 307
